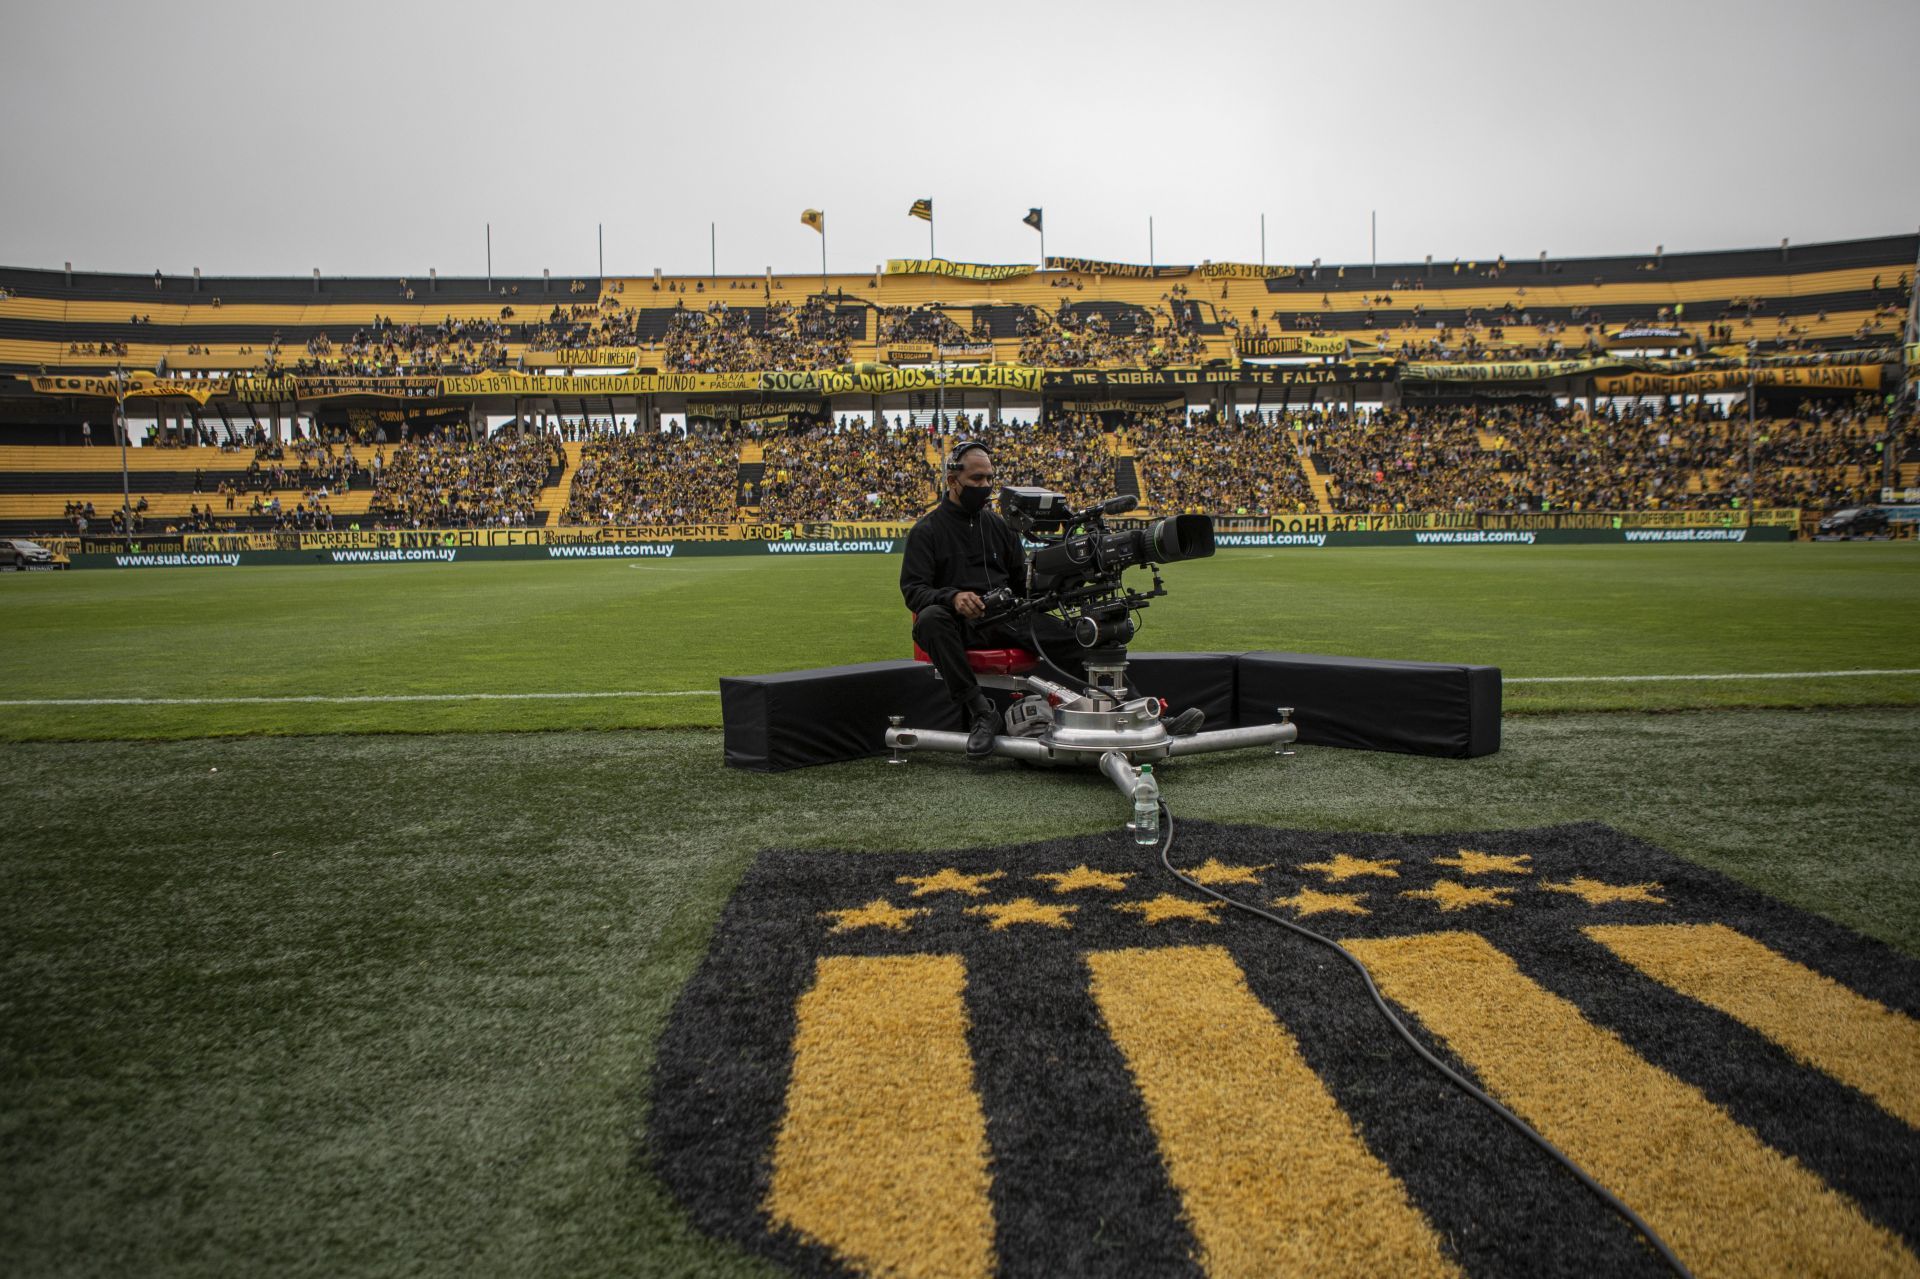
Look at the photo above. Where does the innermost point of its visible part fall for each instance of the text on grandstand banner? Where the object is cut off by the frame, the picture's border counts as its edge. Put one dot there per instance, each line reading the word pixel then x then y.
pixel 958 270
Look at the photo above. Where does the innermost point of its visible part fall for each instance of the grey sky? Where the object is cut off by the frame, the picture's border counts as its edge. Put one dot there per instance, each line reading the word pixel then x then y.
pixel 379 139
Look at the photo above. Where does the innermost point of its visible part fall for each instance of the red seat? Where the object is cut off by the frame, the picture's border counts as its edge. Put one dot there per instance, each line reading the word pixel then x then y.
pixel 992 661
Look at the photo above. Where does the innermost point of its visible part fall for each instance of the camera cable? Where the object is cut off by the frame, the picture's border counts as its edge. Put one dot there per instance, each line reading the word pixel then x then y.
pixel 1453 1076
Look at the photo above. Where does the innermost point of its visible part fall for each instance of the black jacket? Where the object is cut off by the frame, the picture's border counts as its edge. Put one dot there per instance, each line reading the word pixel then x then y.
pixel 949 551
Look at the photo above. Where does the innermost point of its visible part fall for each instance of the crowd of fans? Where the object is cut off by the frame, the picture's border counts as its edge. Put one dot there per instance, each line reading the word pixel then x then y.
pixel 1074 337
pixel 655 477
pixel 582 326
pixel 1066 453
pixel 447 482
pixel 847 471
pixel 729 339
pixel 385 348
pixel 1232 464
pixel 926 323
pixel 1536 458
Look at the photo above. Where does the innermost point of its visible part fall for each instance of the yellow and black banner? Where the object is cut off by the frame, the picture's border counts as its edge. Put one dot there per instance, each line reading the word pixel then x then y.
pixel 958 270
pixel 928 353
pixel 751 411
pixel 1245 271
pixel 1068 381
pixel 1122 270
pixel 605 357
pixel 1252 348
pixel 142 384
pixel 1508 371
pixel 886 381
pixel 1125 406
pixel 1826 377
pixel 934 1062
pixel 596 384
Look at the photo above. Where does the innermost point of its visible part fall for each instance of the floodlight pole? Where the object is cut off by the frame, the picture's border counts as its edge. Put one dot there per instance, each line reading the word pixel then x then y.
pixel 1751 428
pixel 126 484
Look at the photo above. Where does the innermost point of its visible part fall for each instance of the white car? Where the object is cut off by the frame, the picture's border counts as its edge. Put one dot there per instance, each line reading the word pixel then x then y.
pixel 19 553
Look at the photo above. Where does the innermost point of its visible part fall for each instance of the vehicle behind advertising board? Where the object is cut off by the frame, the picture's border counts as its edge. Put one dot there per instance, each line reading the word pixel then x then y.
pixel 18 553
pixel 1855 521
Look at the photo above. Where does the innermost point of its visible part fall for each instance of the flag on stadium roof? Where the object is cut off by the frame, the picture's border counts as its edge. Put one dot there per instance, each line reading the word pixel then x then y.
pixel 1033 219
pixel 815 219
pixel 922 209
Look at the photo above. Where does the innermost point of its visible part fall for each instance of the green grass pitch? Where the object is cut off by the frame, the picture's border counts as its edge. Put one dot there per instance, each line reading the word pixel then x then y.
pixel 313 988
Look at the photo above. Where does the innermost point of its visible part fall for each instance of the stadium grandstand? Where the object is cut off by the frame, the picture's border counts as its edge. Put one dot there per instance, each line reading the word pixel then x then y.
pixel 1721 381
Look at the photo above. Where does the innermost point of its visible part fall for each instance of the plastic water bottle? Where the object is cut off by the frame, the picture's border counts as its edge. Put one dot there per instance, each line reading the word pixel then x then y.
pixel 1146 809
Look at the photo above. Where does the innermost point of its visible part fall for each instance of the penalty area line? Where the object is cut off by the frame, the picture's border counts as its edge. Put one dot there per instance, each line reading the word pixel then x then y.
pixel 1666 679
pixel 385 697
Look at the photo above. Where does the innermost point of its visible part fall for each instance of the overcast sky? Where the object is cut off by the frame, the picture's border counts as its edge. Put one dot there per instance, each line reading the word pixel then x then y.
pixel 381 138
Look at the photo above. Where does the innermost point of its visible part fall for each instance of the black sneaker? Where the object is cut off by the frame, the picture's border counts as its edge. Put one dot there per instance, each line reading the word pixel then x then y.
pixel 1187 722
pixel 986 726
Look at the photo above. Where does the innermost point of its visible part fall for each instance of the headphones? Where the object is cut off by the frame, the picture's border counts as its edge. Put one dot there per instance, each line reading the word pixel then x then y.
pixel 958 457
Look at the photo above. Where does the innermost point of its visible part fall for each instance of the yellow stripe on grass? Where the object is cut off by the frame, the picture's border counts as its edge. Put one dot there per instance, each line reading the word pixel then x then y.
pixel 1725 1201
pixel 1274 1179
pixel 1816 1019
pixel 882 1152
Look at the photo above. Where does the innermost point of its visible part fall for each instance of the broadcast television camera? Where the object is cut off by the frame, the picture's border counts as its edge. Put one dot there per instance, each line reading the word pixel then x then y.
pixel 1074 571
pixel 1075 566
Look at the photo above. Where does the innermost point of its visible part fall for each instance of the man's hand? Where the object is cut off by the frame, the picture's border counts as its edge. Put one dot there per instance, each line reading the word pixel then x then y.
pixel 969 606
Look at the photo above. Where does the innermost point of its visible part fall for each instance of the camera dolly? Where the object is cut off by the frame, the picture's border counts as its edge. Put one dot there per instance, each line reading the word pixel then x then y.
pixel 1074 573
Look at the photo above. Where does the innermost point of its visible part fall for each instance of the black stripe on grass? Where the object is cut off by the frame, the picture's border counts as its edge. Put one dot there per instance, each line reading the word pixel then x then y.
pixel 1078 1184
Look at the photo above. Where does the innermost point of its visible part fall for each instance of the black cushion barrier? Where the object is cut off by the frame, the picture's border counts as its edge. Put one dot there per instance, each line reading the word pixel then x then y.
pixel 1205 680
pixel 1415 708
pixel 795 718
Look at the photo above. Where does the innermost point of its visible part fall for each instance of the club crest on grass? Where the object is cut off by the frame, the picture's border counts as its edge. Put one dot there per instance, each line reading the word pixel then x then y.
pixel 1055 1059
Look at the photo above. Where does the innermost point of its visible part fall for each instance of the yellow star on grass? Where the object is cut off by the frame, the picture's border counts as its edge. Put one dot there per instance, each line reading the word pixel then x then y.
pixel 1024 910
pixel 1166 906
pixel 1083 876
pixel 1215 871
pixel 1341 867
pixel 1595 893
pixel 1448 895
pixel 1309 902
pixel 950 881
pixel 1472 863
pixel 878 913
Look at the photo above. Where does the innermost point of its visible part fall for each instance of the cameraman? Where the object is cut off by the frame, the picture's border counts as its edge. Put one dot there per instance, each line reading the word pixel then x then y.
pixel 956 553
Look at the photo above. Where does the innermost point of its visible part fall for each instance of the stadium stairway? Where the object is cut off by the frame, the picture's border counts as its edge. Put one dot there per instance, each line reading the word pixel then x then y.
pixel 1126 478
pixel 747 474
pixel 1318 482
pixel 555 498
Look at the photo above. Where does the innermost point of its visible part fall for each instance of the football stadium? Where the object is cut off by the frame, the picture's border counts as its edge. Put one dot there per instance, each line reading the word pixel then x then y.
pixel 1063 761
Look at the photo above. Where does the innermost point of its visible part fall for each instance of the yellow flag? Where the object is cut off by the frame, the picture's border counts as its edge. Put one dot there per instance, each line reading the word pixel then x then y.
pixel 815 219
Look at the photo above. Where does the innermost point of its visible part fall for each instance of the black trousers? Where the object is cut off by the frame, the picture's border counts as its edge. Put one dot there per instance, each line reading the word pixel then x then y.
pixel 946 637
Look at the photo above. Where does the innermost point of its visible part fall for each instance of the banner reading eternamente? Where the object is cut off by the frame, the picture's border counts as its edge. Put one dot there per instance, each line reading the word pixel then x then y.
pixel 141 384
pixel 1245 271
pixel 1253 348
pixel 958 270
pixel 1843 377
pixel 1125 270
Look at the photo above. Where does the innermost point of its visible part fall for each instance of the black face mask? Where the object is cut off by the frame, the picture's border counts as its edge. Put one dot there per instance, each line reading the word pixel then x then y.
pixel 974 500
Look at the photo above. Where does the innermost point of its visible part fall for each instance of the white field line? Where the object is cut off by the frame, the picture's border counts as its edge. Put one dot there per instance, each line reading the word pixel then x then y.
pixel 702 692
pixel 1652 679
pixel 391 697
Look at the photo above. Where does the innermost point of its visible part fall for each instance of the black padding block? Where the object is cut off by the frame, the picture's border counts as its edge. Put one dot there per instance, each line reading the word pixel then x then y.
pixel 776 722
pixel 1416 708
pixel 1205 680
